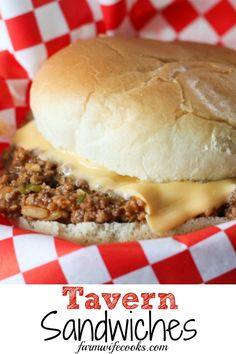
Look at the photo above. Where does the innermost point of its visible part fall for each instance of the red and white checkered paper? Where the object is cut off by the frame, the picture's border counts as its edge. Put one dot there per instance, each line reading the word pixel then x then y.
pixel 32 30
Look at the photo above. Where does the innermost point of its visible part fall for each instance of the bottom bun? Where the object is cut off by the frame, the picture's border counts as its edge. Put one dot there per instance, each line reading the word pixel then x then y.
pixel 87 233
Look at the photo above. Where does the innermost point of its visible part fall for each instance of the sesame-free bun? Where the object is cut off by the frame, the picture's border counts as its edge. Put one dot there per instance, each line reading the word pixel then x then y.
pixel 86 233
pixel 154 110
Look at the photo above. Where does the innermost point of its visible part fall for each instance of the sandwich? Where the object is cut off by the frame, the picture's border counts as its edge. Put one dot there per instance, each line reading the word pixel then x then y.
pixel 130 139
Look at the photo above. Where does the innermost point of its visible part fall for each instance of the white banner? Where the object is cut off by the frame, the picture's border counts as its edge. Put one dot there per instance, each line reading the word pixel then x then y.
pixel 117 318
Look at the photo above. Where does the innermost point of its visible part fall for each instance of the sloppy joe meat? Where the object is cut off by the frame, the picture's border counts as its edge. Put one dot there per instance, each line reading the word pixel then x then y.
pixel 38 190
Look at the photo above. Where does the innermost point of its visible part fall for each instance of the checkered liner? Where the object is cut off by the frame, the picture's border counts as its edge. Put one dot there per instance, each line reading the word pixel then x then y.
pixel 32 30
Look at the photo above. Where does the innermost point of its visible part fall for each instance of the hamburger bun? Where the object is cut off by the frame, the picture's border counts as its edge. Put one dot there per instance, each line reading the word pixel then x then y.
pixel 87 233
pixel 157 111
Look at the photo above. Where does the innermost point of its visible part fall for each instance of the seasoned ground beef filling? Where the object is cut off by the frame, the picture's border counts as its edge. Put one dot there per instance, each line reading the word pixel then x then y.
pixel 38 190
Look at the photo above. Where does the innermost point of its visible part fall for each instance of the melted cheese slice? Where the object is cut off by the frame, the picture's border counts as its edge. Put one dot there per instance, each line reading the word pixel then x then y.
pixel 167 204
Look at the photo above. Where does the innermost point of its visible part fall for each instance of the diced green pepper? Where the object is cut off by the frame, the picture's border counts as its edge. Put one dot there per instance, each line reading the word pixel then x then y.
pixel 80 198
pixel 27 188
pixel 34 188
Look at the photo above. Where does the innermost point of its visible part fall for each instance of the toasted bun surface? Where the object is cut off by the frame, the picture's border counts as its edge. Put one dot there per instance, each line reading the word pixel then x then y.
pixel 90 232
pixel 153 110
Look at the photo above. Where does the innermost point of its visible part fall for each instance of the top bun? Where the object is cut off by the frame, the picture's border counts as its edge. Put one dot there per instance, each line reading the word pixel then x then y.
pixel 154 110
